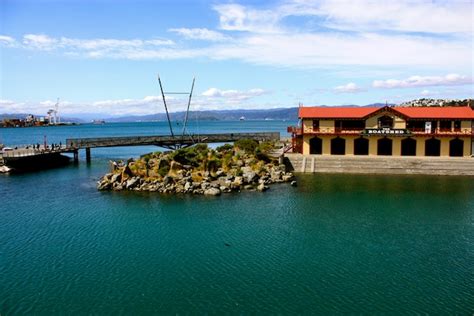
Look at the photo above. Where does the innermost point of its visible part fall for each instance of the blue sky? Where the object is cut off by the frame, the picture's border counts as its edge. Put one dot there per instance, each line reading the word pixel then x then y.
pixel 103 57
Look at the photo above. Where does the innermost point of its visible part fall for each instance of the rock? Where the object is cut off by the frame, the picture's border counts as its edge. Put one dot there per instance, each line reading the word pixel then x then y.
pixel 4 169
pixel 212 191
pixel 131 183
pixel 248 187
pixel 249 175
pixel 175 168
pixel 187 186
pixel 167 180
pixel 287 177
pixel 293 183
pixel 262 187
pixel 116 177
pixel 276 175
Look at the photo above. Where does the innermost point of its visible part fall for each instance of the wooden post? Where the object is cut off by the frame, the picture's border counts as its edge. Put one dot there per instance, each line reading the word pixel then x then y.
pixel 88 155
pixel 76 156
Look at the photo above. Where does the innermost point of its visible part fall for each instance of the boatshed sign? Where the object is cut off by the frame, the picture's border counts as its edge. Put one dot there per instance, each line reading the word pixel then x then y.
pixel 385 132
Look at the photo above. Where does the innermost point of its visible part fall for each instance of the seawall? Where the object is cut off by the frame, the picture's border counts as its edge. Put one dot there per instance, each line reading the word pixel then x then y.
pixel 381 165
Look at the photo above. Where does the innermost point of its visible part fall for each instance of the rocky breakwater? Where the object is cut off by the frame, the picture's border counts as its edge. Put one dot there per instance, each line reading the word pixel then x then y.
pixel 200 170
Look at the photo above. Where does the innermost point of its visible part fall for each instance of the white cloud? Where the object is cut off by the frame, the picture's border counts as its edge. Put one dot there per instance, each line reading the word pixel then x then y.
pixel 236 17
pixel 233 95
pixel 7 41
pixel 357 34
pixel 39 41
pixel 423 81
pixel 200 34
pixel 348 88
pixel 94 48
pixel 401 15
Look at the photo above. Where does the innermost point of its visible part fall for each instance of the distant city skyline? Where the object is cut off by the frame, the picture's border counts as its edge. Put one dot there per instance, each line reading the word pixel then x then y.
pixel 103 57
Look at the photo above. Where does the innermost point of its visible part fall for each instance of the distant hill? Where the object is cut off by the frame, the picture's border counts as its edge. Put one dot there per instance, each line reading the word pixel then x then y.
pixel 225 115
pixel 209 115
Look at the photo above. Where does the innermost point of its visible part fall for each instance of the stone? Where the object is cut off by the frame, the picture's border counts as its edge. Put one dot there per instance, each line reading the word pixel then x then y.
pixel 293 183
pixel 262 187
pixel 249 175
pixel 212 191
pixel 248 187
pixel 116 177
pixel 131 183
pixel 187 186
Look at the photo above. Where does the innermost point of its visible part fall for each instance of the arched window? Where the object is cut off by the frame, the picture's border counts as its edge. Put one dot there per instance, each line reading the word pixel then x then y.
pixel 408 147
pixel 456 147
pixel 338 146
pixel 361 146
pixel 384 147
pixel 432 147
pixel 315 146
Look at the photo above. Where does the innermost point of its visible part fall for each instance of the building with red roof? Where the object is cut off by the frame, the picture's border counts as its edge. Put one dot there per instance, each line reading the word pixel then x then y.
pixel 384 131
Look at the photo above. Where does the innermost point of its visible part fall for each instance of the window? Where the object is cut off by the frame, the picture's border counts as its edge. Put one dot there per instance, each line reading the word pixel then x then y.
pixel 356 125
pixel 385 122
pixel 315 125
pixel 445 126
pixel 457 126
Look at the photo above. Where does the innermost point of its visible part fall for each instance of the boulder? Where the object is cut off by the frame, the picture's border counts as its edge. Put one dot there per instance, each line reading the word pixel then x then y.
pixel 131 183
pixel 262 187
pixel 187 186
pixel 249 175
pixel 293 183
pixel 212 191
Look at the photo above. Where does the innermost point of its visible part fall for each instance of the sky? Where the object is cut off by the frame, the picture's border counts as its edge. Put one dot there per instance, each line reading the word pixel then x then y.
pixel 103 57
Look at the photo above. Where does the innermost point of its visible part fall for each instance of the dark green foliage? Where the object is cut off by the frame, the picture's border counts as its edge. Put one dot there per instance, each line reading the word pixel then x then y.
pixel 191 155
pixel 223 148
pixel 213 164
pixel 259 155
pixel 247 145
pixel 163 171
pixel 266 147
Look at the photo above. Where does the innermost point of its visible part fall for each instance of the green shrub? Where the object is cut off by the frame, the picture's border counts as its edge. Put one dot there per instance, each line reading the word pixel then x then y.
pixel 247 145
pixel 225 147
pixel 163 171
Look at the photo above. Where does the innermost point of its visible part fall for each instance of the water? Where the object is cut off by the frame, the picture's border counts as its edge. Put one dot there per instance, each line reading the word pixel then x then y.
pixel 334 244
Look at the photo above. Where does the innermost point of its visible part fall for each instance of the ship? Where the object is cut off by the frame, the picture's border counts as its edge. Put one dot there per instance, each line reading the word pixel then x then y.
pixel 98 122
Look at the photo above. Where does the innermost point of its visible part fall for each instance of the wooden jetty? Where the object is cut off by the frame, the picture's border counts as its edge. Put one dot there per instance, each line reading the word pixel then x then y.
pixel 73 145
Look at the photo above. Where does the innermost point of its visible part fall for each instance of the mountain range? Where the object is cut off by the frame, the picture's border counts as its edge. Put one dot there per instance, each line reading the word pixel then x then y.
pixel 207 115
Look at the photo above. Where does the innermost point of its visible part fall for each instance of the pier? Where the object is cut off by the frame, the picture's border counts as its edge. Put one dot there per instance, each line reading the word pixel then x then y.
pixel 73 145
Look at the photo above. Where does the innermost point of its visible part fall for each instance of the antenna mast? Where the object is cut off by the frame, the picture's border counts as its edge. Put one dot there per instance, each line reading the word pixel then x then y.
pixel 166 107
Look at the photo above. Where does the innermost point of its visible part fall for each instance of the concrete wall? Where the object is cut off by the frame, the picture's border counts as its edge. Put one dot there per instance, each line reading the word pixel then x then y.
pixel 381 165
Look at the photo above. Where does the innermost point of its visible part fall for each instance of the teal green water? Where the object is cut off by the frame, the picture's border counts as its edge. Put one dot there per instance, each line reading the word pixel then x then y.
pixel 334 244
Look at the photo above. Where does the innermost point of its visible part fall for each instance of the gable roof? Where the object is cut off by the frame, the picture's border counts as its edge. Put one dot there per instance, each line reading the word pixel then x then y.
pixel 461 112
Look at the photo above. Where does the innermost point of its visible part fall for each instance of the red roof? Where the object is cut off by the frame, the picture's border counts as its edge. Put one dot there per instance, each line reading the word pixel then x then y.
pixel 453 112
pixel 464 112
pixel 335 112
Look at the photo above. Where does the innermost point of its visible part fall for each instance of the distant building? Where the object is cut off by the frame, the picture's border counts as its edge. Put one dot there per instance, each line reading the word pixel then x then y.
pixel 386 131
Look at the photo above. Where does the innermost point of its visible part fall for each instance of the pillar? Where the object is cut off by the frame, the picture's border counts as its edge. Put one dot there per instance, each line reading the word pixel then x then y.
pixel 76 156
pixel 88 155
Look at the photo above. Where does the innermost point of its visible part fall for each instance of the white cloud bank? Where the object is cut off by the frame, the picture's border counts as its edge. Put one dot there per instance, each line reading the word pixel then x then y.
pixel 339 33
pixel 348 88
pixel 211 99
pixel 423 81
pixel 200 34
